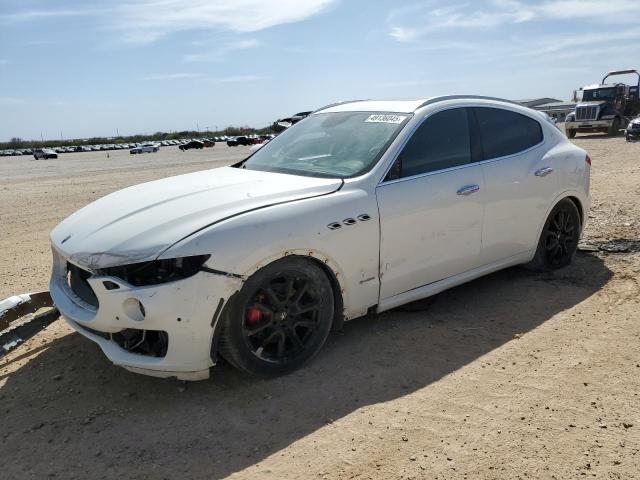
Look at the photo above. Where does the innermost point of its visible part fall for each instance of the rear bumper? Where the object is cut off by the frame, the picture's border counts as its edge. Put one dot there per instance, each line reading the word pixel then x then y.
pixel 183 309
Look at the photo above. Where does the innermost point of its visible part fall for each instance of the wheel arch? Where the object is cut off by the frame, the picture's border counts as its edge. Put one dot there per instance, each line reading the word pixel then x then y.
pixel 329 268
pixel 576 201
pixel 571 195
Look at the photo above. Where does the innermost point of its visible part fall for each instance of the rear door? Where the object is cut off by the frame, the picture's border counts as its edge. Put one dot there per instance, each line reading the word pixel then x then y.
pixel 431 206
pixel 520 181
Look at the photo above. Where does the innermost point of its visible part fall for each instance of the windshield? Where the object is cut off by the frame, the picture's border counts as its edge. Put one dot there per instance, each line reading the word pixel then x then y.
pixel 340 145
pixel 599 94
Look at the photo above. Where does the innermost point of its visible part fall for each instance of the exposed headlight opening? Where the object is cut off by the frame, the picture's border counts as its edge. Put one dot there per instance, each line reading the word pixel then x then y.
pixel 157 271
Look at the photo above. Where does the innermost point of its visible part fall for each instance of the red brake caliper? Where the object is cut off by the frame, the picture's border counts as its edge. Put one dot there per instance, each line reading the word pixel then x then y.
pixel 254 315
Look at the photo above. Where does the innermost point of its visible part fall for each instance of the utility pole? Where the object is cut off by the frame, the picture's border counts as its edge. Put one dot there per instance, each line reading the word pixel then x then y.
pixel 117 132
pixel 41 139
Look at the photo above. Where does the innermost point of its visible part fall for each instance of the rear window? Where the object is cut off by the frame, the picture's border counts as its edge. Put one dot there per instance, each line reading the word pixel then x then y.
pixel 506 133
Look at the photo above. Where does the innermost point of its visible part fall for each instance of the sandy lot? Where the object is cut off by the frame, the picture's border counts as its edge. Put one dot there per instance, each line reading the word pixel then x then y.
pixel 512 376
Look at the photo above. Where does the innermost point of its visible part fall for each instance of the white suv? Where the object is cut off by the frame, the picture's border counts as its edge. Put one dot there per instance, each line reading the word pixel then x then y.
pixel 360 207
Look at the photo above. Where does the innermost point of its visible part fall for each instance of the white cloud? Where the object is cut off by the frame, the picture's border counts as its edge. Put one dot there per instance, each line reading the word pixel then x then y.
pixel 611 11
pixel 171 76
pixel 29 15
pixel 571 44
pixel 404 34
pixel 409 23
pixel 150 20
pixel 219 51
pixel 182 76
pixel 6 101
pixel 146 21
pixel 237 78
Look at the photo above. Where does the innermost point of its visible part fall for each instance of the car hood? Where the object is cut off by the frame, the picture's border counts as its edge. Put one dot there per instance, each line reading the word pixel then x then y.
pixel 593 103
pixel 138 223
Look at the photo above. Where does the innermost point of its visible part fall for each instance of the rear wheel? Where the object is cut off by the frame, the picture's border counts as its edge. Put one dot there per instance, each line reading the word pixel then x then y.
pixel 279 320
pixel 559 239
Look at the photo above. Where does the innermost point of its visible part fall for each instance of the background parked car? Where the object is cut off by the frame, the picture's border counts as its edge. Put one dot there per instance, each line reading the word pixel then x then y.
pixel 241 140
pixel 45 153
pixel 192 144
pixel 632 131
pixel 146 148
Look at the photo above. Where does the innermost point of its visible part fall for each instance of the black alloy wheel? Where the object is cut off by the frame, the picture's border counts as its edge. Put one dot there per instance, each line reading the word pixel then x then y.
pixel 559 240
pixel 280 319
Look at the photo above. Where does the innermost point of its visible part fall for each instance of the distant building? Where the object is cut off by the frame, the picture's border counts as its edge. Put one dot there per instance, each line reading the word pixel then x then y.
pixel 556 109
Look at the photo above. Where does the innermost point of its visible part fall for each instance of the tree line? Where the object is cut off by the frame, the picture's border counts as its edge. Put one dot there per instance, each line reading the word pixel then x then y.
pixel 230 131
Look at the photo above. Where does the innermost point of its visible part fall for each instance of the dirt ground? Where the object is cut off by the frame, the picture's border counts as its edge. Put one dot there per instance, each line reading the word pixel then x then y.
pixel 513 376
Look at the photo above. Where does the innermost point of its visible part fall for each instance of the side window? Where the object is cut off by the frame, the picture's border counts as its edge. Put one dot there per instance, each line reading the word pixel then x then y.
pixel 442 141
pixel 504 132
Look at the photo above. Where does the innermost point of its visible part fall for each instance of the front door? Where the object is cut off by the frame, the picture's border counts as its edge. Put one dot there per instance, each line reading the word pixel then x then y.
pixel 431 206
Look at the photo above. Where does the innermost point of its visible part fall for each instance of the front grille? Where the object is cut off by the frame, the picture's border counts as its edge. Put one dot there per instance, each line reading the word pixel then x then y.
pixel 77 280
pixel 587 113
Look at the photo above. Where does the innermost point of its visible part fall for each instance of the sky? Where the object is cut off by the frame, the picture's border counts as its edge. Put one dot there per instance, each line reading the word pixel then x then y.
pixel 81 68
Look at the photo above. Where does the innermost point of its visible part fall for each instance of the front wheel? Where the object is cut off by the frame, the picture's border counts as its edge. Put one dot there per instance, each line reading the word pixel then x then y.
pixel 559 239
pixel 279 320
pixel 571 133
pixel 615 127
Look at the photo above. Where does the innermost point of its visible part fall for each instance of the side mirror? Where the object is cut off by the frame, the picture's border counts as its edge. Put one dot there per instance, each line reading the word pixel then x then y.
pixel 574 99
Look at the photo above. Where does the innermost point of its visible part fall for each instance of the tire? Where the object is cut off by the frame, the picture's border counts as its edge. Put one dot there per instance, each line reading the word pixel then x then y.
pixel 615 127
pixel 279 320
pixel 559 238
pixel 571 133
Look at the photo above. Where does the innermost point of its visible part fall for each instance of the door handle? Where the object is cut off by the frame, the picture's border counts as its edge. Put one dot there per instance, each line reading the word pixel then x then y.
pixel 468 190
pixel 544 171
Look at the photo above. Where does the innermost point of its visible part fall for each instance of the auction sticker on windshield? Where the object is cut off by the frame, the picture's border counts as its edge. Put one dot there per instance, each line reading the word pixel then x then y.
pixel 379 118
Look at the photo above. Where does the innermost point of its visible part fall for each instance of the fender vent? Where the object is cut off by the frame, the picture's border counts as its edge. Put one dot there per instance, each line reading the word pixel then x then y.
pixel 334 226
pixel 364 217
pixel 349 221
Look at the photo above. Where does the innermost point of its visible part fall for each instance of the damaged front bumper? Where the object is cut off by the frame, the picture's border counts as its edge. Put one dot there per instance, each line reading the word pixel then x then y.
pixel 163 330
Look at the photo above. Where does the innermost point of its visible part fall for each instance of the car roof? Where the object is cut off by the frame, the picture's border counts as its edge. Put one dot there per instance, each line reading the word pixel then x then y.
pixel 399 106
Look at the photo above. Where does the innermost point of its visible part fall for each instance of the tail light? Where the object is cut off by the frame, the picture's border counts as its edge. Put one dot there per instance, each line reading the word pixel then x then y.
pixel 588 159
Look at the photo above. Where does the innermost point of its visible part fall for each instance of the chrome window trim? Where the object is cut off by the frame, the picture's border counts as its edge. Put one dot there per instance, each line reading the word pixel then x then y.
pixel 481 162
